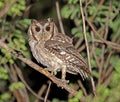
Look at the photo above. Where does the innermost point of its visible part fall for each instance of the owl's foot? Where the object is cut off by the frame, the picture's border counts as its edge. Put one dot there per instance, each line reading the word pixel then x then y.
pixel 65 81
pixel 52 70
pixel 62 82
pixel 48 69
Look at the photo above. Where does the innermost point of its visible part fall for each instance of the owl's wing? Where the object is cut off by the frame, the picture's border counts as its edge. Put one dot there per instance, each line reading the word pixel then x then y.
pixel 78 61
pixel 62 38
pixel 65 50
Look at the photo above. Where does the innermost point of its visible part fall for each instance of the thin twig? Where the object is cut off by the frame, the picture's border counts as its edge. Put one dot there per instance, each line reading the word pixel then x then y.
pixel 111 44
pixel 108 76
pixel 86 42
pixel 20 75
pixel 48 90
pixel 108 73
pixel 41 91
pixel 107 62
pixel 59 16
pixel 82 87
pixel 81 48
pixel 93 48
pixel 20 94
pixel 78 43
pixel 103 49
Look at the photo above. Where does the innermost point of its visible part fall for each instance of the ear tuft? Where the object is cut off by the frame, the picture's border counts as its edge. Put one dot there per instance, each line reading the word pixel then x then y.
pixel 50 19
pixel 34 21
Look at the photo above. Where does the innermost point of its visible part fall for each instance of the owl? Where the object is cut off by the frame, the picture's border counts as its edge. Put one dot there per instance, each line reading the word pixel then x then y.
pixel 55 50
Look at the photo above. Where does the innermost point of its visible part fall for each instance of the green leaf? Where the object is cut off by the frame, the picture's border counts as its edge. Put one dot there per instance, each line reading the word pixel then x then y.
pixel 98 51
pixel 93 63
pixel 4 74
pixel 23 47
pixel 16 85
pixel 77 97
pixel 77 32
pixel 72 1
pixel 56 100
pixel 3 50
pixel 66 11
pixel 2 4
pixel 115 62
pixel 74 14
pixel 17 8
pixel 5 97
pixel 95 74
pixel 11 61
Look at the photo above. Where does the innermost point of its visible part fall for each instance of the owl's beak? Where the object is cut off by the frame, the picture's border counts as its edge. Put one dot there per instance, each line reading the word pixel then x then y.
pixel 42 30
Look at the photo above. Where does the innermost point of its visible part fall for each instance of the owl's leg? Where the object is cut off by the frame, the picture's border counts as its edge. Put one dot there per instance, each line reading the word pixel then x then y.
pixel 55 71
pixel 64 69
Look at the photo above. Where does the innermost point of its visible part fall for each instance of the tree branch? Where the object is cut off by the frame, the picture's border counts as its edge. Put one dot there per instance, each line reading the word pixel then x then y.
pixel 39 69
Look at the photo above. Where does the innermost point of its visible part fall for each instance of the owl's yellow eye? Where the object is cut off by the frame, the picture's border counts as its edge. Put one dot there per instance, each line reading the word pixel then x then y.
pixel 37 29
pixel 48 28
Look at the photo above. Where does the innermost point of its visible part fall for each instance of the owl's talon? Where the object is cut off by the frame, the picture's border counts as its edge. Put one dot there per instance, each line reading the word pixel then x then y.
pixel 65 81
pixel 62 82
pixel 55 71
pixel 48 69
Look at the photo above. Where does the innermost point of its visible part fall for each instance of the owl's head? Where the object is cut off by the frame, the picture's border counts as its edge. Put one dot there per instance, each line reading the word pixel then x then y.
pixel 42 30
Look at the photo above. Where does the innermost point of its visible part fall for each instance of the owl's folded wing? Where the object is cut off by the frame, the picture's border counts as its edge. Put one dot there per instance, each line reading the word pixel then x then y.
pixel 66 52
pixel 62 38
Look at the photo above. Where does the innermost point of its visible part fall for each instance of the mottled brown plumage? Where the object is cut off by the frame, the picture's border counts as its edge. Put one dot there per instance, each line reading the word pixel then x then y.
pixel 55 50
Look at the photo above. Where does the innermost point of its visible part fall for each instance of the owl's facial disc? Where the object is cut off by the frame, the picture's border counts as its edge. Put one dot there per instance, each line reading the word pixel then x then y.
pixel 43 29
pixel 35 30
pixel 35 27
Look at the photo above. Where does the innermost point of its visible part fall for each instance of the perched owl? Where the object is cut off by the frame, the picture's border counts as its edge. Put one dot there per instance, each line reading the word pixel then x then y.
pixel 55 50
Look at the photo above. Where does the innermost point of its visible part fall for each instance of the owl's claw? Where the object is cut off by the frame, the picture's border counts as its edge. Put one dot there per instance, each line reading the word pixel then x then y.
pixel 62 81
pixel 65 81
pixel 48 69
pixel 52 70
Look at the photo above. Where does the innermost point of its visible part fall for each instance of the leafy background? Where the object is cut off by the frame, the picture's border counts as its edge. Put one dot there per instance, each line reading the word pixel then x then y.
pixel 104 15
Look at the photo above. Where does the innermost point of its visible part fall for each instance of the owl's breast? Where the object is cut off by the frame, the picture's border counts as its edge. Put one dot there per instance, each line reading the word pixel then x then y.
pixel 43 56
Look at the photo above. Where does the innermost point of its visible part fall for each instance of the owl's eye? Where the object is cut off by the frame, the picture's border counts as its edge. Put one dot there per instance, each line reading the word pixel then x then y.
pixel 37 29
pixel 48 28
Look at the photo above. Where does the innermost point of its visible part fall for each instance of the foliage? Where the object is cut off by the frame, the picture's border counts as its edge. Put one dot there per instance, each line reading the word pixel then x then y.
pixel 77 97
pixel 98 14
pixel 5 97
pixel 16 8
pixel 16 85
pixel 3 73
pixel 13 30
pixel 105 60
